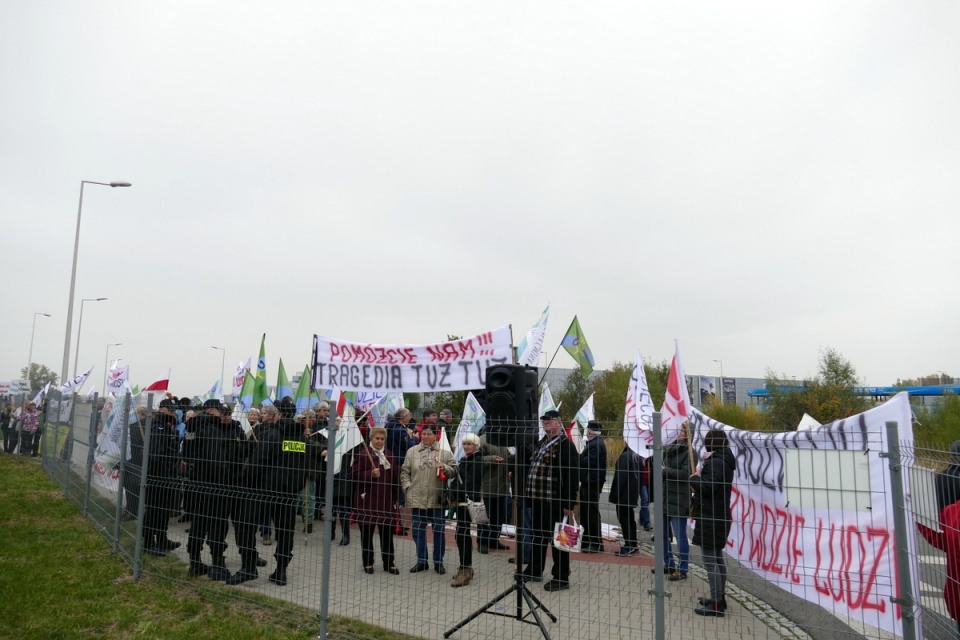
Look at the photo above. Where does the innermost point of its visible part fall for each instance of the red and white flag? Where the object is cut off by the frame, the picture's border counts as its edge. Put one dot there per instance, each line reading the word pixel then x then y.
pixel 162 384
pixel 638 412
pixel 676 403
pixel 239 375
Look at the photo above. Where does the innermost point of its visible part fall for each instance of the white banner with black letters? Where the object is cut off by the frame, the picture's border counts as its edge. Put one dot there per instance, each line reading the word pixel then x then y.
pixel 445 366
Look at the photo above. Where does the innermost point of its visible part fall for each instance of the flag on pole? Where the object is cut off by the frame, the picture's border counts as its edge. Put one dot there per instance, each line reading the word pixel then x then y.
pixel 239 376
pixel 261 392
pixel 284 389
pixel 75 384
pixel 529 349
pixel 676 403
pixel 91 393
pixel 579 424
pixel 41 394
pixel 162 383
pixel 212 394
pixel 576 345
pixel 303 394
pixel 638 412
pixel 389 404
pixel 546 404
pixel 246 390
pixel 117 379
pixel 472 421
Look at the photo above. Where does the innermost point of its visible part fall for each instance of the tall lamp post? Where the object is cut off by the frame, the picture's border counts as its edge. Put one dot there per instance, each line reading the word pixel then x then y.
pixel 106 359
pixel 30 354
pixel 223 363
pixel 721 370
pixel 73 273
pixel 76 356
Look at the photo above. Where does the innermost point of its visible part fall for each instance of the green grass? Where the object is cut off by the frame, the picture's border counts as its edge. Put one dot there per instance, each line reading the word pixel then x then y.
pixel 58 579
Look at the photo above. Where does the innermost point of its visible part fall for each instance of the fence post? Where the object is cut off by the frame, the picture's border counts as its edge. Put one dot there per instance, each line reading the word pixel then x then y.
pixel 658 591
pixel 142 502
pixel 124 434
pixel 904 580
pixel 91 446
pixel 67 448
pixel 328 524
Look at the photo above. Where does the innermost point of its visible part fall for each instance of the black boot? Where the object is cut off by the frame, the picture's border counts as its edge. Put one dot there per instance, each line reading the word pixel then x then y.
pixel 248 571
pixel 345 538
pixel 279 577
pixel 218 570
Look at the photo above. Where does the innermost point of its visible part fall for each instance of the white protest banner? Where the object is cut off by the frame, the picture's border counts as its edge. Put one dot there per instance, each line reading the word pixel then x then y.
pixel 813 512
pixel 638 412
pixel 74 385
pixel 5 388
pixel 106 458
pixel 473 420
pixel 445 366
pixel 529 349
pixel 578 425
pixel 117 380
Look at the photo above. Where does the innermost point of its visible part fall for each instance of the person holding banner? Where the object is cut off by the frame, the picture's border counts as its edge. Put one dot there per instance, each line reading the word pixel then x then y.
pixel 422 475
pixel 678 464
pixel 714 486
pixel 375 494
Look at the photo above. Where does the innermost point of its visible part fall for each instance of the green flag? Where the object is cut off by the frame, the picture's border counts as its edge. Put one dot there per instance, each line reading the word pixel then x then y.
pixel 260 390
pixel 246 391
pixel 283 384
pixel 576 345
pixel 302 396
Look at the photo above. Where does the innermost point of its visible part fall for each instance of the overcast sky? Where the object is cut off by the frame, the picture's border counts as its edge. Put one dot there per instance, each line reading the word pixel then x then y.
pixel 756 180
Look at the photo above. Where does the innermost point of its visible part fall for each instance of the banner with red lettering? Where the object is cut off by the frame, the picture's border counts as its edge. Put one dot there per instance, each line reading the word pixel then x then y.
pixel 813 510
pixel 445 366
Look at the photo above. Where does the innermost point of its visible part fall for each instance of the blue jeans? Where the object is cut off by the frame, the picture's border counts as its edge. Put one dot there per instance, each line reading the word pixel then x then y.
pixel 679 525
pixel 645 506
pixel 421 518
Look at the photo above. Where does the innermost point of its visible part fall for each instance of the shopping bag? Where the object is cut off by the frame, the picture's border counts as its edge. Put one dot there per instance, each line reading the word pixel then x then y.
pixel 567 537
pixel 478 512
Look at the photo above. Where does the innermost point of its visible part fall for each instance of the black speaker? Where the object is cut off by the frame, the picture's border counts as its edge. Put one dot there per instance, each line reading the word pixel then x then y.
pixel 511 403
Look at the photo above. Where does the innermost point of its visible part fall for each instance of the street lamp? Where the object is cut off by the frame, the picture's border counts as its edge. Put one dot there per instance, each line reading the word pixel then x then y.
pixel 106 359
pixel 223 363
pixel 73 272
pixel 76 356
pixel 30 354
pixel 721 370
pixel 940 378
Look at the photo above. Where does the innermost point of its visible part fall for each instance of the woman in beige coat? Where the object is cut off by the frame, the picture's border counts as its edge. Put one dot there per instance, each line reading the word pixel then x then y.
pixel 422 477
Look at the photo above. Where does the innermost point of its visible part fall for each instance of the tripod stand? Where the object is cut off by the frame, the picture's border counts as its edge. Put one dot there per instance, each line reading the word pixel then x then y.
pixel 519 585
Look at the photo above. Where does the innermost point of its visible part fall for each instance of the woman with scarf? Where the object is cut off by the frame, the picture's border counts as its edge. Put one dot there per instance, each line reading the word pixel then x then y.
pixel 375 496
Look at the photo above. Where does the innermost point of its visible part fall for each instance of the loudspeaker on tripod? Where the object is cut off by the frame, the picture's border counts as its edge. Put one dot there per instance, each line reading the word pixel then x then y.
pixel 511 403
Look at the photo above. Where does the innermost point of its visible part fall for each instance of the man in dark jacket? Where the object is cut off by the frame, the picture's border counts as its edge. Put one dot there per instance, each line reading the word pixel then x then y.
pixel 593 475
pixel 552 484
pixel 279 467
pixel 216 447
pixel 624 493
pixel 161 477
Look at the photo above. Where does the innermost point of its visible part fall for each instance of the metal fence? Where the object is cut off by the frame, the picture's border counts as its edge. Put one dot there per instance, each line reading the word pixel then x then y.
pixel 146 512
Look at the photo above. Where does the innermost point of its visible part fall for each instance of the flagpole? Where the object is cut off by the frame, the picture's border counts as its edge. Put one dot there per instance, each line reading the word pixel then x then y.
pixel 539 384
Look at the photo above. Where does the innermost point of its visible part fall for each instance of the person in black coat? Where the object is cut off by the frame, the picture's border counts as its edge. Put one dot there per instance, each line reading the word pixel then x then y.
pixel 947 482
pixel 466 485
pixel 624 493
pixel 714 485
pixel 676 504
pixel 593 475
pixel 161 478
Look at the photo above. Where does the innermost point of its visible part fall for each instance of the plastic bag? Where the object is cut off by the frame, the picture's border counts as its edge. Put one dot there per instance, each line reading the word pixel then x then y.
pixel 568 537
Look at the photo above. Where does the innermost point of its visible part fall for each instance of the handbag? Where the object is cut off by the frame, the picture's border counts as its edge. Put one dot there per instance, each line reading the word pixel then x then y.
pixel 568 537
pixel 478 512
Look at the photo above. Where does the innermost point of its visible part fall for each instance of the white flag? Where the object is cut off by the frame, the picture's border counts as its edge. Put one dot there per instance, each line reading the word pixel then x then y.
pixel 41 394
pixel 529 349
pixel 579 424
pixel 239 375
pixel 638 412
pixel 117 379
pixel 348 434
pixel 74 385
pixel 676 404
pixel 546 404
pixel 472 421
